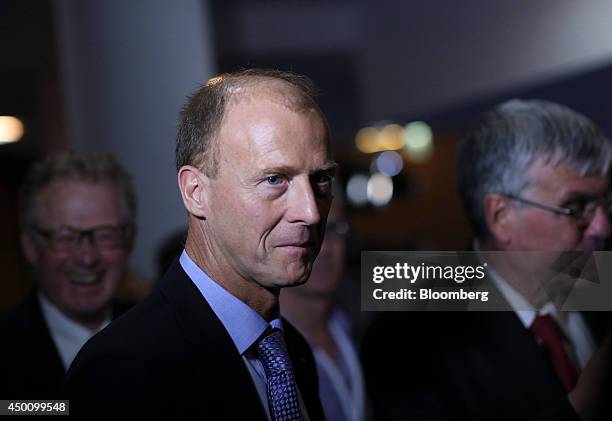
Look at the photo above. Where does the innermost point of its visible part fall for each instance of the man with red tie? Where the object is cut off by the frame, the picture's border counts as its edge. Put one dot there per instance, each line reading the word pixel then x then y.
pixel 533 176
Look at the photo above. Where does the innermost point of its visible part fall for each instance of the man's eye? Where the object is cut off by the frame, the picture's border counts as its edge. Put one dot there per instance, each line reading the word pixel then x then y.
pixel 108 235
pixel 274 180
pixel 577 207
pixel 322 178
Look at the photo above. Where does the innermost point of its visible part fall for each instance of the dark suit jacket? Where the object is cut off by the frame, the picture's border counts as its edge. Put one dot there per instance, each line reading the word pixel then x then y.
pixel 171 356
pixel 460 366
pixel 30 365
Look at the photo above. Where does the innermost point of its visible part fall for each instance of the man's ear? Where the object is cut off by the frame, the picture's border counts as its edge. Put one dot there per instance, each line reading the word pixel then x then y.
pixel 498 212
pixel 193 184
pixel 28 248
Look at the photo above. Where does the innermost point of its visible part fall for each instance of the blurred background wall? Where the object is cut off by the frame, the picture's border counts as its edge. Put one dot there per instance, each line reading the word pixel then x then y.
pixel 401 81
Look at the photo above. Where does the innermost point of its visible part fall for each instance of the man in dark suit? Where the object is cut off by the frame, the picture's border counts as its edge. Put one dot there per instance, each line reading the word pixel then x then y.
pixel 255 172
pixel 533 176
pixel 77 228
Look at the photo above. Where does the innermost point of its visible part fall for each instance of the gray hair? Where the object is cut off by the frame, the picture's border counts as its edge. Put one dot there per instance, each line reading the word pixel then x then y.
pixel 94 167
pixel 497 155
pixel 203 113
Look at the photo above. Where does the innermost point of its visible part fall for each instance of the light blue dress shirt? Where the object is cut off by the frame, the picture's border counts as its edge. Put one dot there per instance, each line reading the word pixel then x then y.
pixel 243 324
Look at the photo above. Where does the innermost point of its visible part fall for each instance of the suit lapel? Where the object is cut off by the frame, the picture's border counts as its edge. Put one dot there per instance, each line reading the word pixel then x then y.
pixel 599 323
pixel 45 345
pixel 43 369
pixel 525 367
pixel 217 365
pixel 304 369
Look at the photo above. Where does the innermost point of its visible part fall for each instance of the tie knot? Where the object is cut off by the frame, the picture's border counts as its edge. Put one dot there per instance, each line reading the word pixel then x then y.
pixel 546 328
pixel 272 353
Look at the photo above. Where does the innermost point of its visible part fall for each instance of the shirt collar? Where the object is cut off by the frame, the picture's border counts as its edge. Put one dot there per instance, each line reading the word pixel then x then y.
pixel 522 308
pixel 68 335
pixel 243 324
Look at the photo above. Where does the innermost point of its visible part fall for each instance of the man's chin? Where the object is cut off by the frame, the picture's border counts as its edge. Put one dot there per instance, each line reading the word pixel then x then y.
pixel 297 277
pixel 298 280
pixel 90 314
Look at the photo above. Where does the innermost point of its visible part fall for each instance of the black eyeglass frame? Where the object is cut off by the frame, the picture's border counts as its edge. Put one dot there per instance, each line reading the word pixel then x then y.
pixel 578 215
pixel 48 234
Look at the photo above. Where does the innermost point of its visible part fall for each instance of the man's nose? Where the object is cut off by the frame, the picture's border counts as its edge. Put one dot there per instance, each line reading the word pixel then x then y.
pixel 303 205
pixel 600 225
pixel 86 251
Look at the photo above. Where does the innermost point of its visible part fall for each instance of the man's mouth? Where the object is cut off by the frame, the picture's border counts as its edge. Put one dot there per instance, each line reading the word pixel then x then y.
pixel 84 279
pixel 297 245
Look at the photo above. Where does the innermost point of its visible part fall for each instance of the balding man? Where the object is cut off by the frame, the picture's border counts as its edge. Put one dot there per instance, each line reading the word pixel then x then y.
pixel 255 172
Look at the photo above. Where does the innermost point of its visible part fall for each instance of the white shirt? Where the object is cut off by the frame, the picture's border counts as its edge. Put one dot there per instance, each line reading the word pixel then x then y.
pixel 571 323
pixel 68 335
pixel 347 379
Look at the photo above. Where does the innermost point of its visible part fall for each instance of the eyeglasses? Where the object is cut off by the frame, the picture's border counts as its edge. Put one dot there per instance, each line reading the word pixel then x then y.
pixel 582 211
pixel 103 237
pixel 339 228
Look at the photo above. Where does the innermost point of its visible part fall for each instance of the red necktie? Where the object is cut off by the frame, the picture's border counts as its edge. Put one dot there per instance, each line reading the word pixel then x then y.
pixel 551 339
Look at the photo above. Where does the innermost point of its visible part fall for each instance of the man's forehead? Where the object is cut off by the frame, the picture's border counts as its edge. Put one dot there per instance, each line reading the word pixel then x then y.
pixel 265 114
pixel 263 149
pixel 291 161
pixel 257 90
pixel 324 163
pixel 562 179
pixel 77 187
pixel 63 195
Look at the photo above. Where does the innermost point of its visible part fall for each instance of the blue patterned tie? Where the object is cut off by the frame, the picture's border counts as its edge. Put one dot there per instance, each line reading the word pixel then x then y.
pixel 282 390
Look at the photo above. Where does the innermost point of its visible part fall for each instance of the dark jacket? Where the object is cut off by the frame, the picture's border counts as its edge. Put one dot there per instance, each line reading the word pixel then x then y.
pixel 30 365
pixel 461 366
pixel 171 356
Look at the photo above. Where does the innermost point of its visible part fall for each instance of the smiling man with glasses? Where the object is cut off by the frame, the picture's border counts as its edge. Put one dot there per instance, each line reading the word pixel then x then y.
pixel 77 218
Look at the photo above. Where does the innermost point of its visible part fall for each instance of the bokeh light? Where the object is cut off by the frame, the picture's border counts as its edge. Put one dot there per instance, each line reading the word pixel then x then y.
pixel 367 140
pixel 418 141
pixel 11 129
pixel 391 137
pixel 389 163
pixel 379 189
pixel 357 190
pixel 372 139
